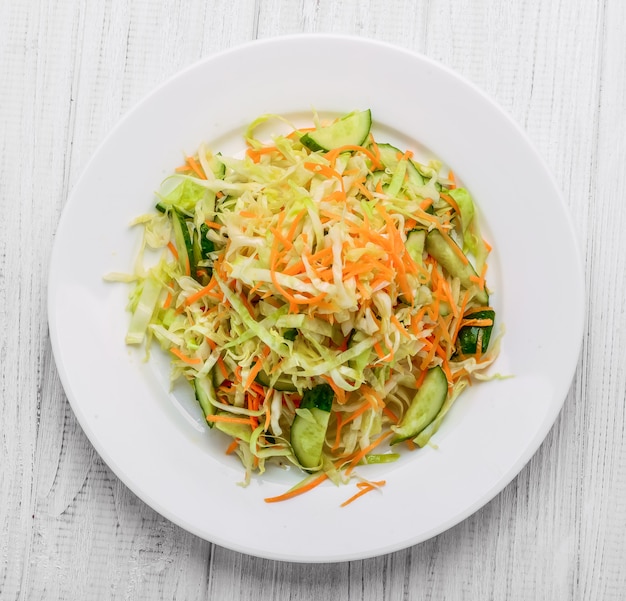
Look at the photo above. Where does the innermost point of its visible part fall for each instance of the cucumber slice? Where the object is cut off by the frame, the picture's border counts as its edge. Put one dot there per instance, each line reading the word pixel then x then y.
pixel 438 247
pixel 290 334
pixel 182 240
pixel 415 244
pixel 218 168
pixel 424 407
pixel 282 383
pixel 235 430
pixel 202 247
pixel 203 388
pixel 308 430
pixel 352 130
pixel 469 337
pixel 389 158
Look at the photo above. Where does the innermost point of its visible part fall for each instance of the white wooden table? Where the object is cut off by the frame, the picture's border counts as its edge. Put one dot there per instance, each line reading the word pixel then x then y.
pixel 70 530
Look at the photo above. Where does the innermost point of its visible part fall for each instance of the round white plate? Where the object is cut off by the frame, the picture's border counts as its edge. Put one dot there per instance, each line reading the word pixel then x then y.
pixel 154 439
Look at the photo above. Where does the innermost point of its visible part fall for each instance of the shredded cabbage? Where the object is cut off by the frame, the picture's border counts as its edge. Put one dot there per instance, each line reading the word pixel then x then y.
pixel 296 273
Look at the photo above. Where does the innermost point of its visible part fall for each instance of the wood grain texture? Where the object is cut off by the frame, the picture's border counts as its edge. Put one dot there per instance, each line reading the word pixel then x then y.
pixel 70 530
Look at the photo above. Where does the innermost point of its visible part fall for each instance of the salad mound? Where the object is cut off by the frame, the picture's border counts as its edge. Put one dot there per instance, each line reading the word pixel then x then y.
pixel 324 295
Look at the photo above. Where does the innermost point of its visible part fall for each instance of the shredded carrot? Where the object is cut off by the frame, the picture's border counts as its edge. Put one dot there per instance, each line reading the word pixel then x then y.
pixel 294 224
pixel 222 367
pixel 168 300
pixel 227 419
pixel 339 392
pixel 196 167
pixel 335 152
pixel 464 302
pixel 184 358
pixel 477 322
pixel 232 446
pixel 400 327
pixel 451 202
pixel 364 487
pixel 391 415
pixel 173 250
pixel 257 368
pixel 198 295
pixel 360 411
pixel 338 432
pixel 425 204
pixel 366 450
pixel 454 246
pixel 324 170
pixel 256 153
pixel 298 491
pixel 452 179
pixel 213 225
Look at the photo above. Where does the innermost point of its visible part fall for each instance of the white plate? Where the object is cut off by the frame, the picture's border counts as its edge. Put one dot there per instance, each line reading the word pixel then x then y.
pixel 155 441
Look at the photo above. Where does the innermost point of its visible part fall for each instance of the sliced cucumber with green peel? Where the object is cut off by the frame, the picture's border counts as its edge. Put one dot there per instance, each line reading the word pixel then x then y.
pixel 439 248
pixel 389 156
pixel 283 383
pixel 424 407
pixel 202 247
pixel 218 168
pixel 351 130
pixel 415 240
pixel 308 430
pixel 205 393
pixel 235 430
pixel 470 337
pixel 182 240
pixel 290 334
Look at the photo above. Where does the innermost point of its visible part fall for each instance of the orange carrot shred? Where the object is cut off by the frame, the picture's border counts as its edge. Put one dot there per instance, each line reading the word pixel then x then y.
pixel 365 487
pixel 298 491
pixel 184 358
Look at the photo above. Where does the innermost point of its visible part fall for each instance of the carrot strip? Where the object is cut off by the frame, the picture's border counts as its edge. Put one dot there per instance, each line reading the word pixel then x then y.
pixel 257 368
pixel 464 302
pixel 400 327
pixel 455 247
pixel 452 178
pixel 324 170
pixel 198 295
pixel 173 250
pixel 222 366
pixel 294 224
pixel 213 225
pixel 335 152
pixel 339 392
pixel 227 419
pixel 365 488
pixel 298 491
pixel 196 167
pixel 360 411
pixel 366 450
pixel 232 446
pixel 431 353
pixel 184 358
pixel 477 322
pixel 451 202
pixel 168 300
pixel 338 433
pixel 286 243
pixel 391 415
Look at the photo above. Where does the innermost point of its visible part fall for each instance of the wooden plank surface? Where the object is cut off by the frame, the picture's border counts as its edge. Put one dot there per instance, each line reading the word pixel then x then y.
pixel 70 530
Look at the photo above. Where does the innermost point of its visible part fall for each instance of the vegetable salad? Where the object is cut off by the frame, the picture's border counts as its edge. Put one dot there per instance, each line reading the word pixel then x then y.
pixel 324 294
